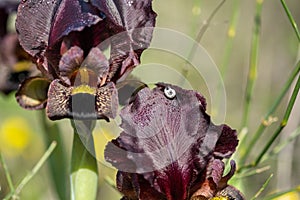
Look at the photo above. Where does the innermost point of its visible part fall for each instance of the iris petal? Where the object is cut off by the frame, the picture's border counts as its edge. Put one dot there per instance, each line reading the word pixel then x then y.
pixel 134 20
pixel 169 146
pixel 86 103
pixel 41 25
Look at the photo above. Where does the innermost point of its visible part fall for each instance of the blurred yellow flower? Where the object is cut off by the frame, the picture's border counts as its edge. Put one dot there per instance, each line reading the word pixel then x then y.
pixel 15 136
pixel 289 196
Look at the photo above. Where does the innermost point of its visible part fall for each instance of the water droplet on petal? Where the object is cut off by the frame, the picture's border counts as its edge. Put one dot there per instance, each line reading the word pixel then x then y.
pixel 169 92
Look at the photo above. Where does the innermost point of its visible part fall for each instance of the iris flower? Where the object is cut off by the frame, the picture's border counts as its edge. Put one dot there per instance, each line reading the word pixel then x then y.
pixel 62 38
pixel 170 150
pixel 15 64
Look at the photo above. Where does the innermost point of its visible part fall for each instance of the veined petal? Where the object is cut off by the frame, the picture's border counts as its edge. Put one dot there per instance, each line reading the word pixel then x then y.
pixel 227 143
pixel 97 62
pixel 41 25
pixel 82 102
pixel 134 21
pixel 167 146
pixel 70 62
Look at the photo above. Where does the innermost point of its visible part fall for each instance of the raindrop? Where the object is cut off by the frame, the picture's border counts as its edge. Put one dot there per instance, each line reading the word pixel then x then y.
pixel 169 92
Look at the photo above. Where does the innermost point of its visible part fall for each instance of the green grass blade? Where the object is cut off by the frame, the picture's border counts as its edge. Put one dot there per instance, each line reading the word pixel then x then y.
pixel 198 38
pixel 252 172
pixel 204 28
pixel 7 174
pixel 230 37
pixel 33 172
pixel 252 74
pixel 231 32
pixel 291 19
pixel 282 124
pixel 283 144
pixel 262 188
pixel 246 151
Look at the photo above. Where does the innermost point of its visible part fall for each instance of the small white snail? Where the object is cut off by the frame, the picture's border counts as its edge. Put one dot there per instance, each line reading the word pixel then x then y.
pixel 169 92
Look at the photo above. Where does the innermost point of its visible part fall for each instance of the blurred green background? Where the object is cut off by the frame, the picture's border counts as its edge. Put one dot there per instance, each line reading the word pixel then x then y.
pixel 22 138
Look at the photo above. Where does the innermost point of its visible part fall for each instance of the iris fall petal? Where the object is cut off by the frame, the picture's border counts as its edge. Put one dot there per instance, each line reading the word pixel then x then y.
pixel 169 148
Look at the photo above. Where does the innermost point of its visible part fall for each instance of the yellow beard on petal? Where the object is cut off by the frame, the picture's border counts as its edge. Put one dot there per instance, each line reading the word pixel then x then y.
pixel 84 89
pixel 220 198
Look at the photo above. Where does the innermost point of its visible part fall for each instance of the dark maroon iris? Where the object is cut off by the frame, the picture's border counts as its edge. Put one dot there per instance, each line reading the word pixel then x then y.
pixel 82 92
pixel 62 37
pixel 48 27
pixel 169 148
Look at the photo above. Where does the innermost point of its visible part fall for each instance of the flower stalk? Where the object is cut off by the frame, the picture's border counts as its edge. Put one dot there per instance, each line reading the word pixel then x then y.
pixel 291 19
pixel 231 33
pixel 275 105
pixel 200 34
pixel 252 74
pixel 84 173
pixel 282 124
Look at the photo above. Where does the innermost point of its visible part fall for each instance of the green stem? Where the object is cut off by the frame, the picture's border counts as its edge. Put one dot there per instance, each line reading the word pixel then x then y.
pixel 262 126
pixel 199 36
pixel 57 162
pixel 7 174
pixel 230 37
pixel 204 28
pixel 84 173
pixel 262 188
pixel 228 47
pixel 252 74
pixel 253 172
pixel 279 147
pixel 283 122
pixel 291 19
pixel 33 172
